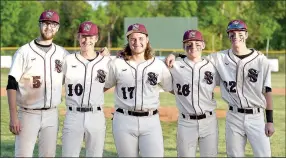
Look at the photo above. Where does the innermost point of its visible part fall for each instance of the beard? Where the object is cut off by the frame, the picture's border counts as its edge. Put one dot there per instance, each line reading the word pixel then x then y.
pixel 46 37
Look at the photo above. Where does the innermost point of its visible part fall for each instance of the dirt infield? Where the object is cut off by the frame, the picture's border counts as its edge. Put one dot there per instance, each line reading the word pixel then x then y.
pixel 166 113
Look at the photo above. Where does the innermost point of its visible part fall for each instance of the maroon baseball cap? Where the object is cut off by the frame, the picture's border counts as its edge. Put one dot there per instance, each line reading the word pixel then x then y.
pixel 136 28
pixel 193 35
pixel 88 28
pixel 50 15
pixel 236 25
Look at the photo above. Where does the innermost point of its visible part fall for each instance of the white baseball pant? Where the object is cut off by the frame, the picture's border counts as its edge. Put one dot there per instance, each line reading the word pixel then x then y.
pixel 41 124
pixel 89 126
pixel 191 132
pixel 240 127
pixel 134 135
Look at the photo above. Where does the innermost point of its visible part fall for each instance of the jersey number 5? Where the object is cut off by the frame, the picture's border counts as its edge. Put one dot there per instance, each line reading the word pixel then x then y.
pixel 36 81
pixel 130 90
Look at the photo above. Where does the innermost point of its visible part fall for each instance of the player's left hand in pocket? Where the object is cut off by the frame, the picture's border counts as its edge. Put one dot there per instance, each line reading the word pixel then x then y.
pixel 104 51
pixel 269 129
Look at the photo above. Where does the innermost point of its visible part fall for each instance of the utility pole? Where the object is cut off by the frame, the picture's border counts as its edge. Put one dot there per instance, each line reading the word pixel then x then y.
pixel 267 46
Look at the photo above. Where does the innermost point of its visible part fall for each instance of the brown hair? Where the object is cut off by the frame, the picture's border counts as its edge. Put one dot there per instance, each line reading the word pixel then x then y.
pixel 127 54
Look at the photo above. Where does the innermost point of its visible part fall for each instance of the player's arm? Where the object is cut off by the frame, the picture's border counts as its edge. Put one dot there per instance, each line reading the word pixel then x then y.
pixel 64 70
pixel 170 59
pixel 104 51
pixel 16 71
pixel 11 88
pixel 269 127
pixel 111 80
pixel 166 79
pixel 267 92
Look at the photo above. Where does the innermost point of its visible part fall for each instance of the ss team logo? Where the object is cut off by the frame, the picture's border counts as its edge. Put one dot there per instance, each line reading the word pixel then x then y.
pixel 208 77
pixel 58 66
pixel 252 74
pixel 101 76
pixel 192 34
pixel 49 14
pixel 87 27
pixel 152 78
pixel 135 27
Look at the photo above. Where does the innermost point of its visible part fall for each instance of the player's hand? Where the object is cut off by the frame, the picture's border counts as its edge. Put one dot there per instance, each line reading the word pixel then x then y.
pixel 119 54
pixel 170 59
pixel 269 129
pixel 15 126
pixel 104 51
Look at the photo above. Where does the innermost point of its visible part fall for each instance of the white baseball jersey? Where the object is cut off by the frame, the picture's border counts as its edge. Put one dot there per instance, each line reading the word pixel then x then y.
pixel 84 80
pixel 138 86
pixel 39 75
pixel 193 84
pixel 243 80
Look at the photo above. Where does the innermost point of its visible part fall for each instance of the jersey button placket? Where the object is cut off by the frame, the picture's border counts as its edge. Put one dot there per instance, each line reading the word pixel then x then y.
pixel 195 90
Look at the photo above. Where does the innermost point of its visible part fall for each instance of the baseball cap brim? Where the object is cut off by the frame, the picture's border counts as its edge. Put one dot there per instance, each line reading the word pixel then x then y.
pixel 48 20
pixel 87 34
pixel 191 40
pixel 235 30
pixel 134 31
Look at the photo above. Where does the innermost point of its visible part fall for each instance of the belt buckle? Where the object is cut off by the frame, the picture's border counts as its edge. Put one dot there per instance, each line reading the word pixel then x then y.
pixel 255 110
pixel 94 110
pixel 244 111
pixel 125 112
pixel 235 109
pixel 150 112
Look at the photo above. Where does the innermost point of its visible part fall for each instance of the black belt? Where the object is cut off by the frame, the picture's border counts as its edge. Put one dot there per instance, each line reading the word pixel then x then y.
pixel 246 111
pixel 37 109
pixel 84 109
pixel 136 113
pixel 198 117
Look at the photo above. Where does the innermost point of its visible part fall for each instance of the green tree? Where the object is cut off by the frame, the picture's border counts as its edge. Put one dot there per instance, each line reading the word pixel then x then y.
pixel 116 11
pixel 177 8
pixel 28 23
pixel 72 13
pixel 276 28
pixel 9 21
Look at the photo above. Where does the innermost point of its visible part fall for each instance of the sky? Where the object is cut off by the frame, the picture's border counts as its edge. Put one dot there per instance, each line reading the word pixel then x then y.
pixel 95 4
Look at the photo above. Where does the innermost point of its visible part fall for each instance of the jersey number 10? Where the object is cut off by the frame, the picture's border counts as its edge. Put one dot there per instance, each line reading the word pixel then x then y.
pixel 78 89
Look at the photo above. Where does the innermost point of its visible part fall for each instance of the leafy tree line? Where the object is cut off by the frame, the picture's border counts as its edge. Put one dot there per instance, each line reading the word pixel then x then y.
pixel 265 19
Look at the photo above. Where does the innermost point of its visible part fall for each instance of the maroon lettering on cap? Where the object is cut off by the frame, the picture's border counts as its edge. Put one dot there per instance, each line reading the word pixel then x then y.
pixel 88 28
pixel 136 28
pixel 50 15
pixel 192 35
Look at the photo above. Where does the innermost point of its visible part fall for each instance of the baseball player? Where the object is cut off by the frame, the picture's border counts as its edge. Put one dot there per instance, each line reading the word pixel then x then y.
pixel 246 87
pixel 194 80
pixel 137 78
pixel 85 75
pixel 35 84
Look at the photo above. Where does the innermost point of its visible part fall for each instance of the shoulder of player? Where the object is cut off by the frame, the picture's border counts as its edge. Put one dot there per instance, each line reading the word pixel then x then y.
pixel 104 59
pixel 117 61
pixel 262 57
pixel 221 53
pixel 70 57
pixel 157 61
pixel 23 49
pixel 61 49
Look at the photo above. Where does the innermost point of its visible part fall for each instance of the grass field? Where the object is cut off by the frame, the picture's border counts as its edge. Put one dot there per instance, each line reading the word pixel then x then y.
pixel 169 128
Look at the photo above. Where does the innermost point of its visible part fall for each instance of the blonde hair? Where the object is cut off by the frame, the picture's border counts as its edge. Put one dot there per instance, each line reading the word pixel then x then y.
pixel 127 54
